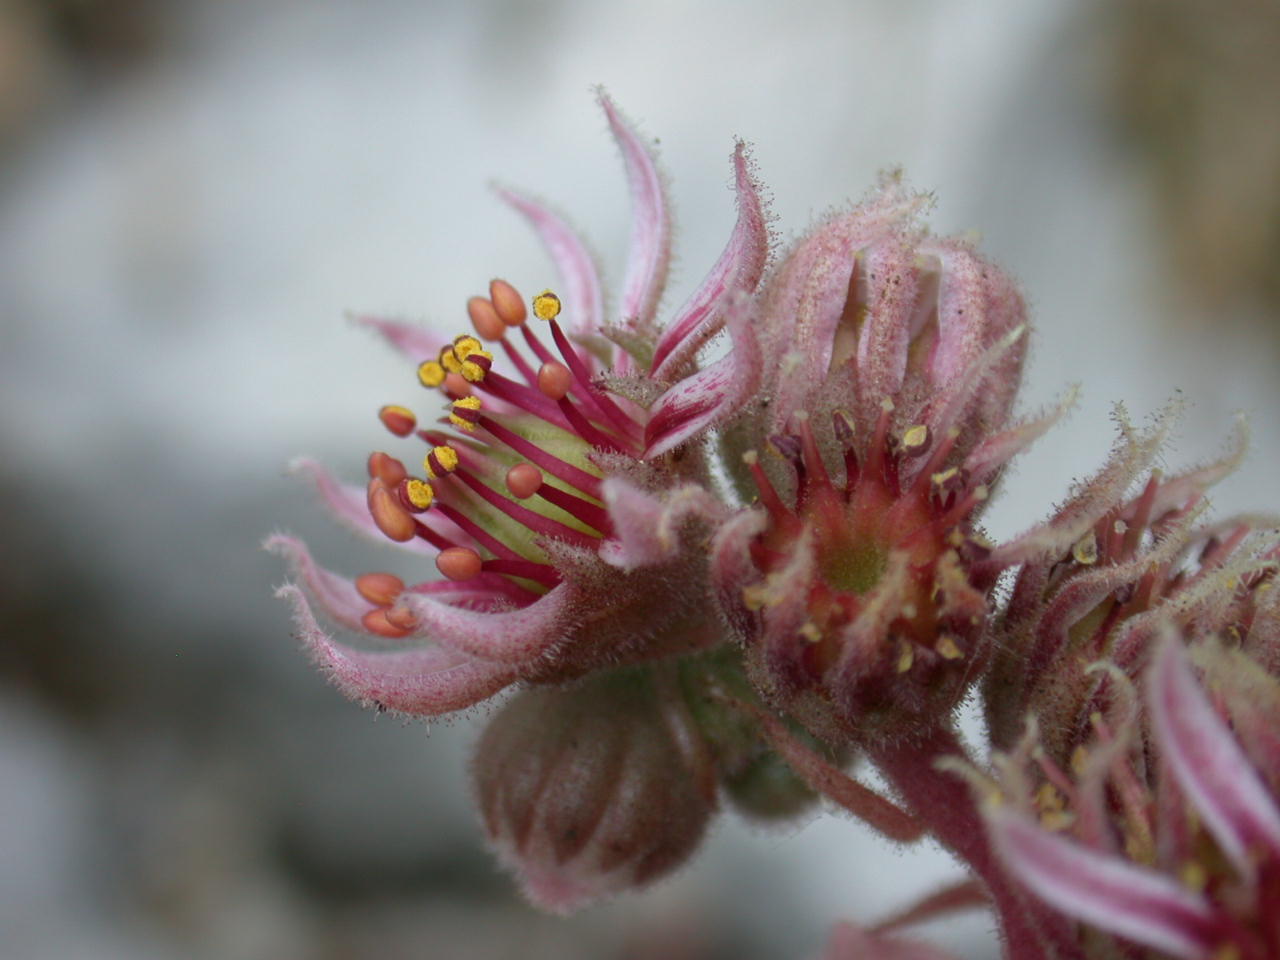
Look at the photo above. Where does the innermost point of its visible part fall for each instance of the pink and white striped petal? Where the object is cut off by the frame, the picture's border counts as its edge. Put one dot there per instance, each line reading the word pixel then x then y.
pixel 1208 763
pixel 1114 895
pixel 428 682
pixel 650 248
pixel 415 342
pixel 714 393
pixel 739 268
pixel 581 294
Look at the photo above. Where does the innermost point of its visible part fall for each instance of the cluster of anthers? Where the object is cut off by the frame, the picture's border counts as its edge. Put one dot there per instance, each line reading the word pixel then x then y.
pixel 534 435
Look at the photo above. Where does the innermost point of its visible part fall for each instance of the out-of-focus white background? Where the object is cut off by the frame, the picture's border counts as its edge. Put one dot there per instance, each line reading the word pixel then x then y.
pixel 192 194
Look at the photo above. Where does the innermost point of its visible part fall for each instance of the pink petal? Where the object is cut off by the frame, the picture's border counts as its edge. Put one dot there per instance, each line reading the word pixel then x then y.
pixel 650 224
pixel 1208 763
pixel 647 529
pixel 335 594
pixel 429 682
pixel 712 394
pixel 853 943
pixel 583 301
pixel 991 454
pixel 732 569
pixel 1124 899
pixel 410 339
pixel 739 268
pixel 514 637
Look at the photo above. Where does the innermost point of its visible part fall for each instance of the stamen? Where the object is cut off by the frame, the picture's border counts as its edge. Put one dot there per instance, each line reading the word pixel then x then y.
pixel 417 495
pixel 399 420
pixel 546 305
pixel 440 461
pixel 812 458
pixel 389 515
pixel 380 589
pixel 842 424
pixel 554 379
pixel 876 451
pixel 916 440
pixel 507 302
pixel 485 318
pixel 458 563
pixel 536 522
pixel 590 514
pixel 523 480
pixel 431 373
pixel 567 472
pixel 768 495
pixel 386 468
pixel 376 622
pixel 474 360
pixel 465 413
pixel 449 360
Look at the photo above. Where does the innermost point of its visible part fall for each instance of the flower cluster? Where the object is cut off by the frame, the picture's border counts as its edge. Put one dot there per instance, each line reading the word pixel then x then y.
pixel 665 643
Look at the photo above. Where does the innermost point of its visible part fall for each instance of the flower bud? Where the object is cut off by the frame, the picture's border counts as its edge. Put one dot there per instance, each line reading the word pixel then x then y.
pixel 595 789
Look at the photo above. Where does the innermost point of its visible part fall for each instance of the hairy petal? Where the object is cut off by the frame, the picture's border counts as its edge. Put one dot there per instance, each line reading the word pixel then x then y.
pixel 646 529
pixel 335 594
pixel 650 223
pixel 514 637
pixel 583 300
pixel 711 395
pixel 1121 898
pixel 739 268
pixel 1207 761
pixel 429 681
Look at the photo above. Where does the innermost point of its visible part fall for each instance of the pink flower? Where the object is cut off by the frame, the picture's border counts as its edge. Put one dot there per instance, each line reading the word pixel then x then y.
pixel 561 498
pixel 1176 843
pixel 872 451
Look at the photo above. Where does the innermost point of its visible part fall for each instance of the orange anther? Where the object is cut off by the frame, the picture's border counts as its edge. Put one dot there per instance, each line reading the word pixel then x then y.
pixel 390 516
pixel 386 468
pixel 376 622
pixel 523 480
pixel 399 420
pixel 508 303
pixel 401 616
pixel 379 588
pixel 485 318
pixel 458 563
pixel 554 379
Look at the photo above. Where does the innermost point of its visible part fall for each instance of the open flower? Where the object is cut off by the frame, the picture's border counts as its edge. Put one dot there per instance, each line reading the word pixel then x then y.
pixel 1170 843
pixel 872 452
pixel 561 492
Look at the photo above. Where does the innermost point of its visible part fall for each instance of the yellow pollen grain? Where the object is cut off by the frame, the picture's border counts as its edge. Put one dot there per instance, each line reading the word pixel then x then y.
pixel 420 493
pixel 465 345
pixel 915 436
pixel 430 373
pixel 1079 760
pixel 468 403
pixel 449 360
pixel 945 475
pixel 753 597
pixel 811 632
pixel 546 305
pixel 947 649
pixel 1085 551
pixel 1057 820
pixel 446 457
pixel 473 372
pixel 906 656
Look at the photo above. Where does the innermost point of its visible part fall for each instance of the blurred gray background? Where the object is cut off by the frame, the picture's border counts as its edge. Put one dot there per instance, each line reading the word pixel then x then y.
pixel 192 194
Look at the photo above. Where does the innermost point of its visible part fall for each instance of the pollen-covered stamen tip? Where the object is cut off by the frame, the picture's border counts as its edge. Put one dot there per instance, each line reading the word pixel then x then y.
pixel 399 420
pixel 507 303
pixel 474 361
pixel 546 305
pixel 458 563
pixel 431 373
pixel 464 413
pixel 524 480
pixel 440 461
pixel 416 495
